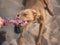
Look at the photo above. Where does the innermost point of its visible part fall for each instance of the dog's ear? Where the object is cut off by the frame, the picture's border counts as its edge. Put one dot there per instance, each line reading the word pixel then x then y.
pixel 36 15
pixel 34 12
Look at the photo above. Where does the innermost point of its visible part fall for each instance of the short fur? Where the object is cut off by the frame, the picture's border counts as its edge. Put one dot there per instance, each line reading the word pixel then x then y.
pixel 35 11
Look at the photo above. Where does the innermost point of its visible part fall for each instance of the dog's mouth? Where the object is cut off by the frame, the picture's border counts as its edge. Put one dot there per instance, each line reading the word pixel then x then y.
pixel 26 22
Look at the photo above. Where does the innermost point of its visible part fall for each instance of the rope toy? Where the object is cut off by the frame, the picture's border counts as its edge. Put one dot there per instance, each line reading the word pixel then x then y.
pixel 13 21
pixel 16 22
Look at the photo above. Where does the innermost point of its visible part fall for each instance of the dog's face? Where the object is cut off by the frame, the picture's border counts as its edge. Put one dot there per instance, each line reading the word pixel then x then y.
pixel 27 15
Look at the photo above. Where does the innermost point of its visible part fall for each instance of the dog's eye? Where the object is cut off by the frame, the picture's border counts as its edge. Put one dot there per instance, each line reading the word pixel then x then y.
pixel 24 14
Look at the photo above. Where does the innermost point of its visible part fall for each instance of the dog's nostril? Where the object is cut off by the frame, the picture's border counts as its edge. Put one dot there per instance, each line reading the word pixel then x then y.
pixel 18 15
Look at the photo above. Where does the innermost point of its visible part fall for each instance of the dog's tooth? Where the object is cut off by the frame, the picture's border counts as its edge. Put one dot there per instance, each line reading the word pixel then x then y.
pixel 20 21
pixel 25 21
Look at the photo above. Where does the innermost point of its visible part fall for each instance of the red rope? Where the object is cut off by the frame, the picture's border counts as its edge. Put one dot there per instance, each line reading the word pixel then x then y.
pixel 15 20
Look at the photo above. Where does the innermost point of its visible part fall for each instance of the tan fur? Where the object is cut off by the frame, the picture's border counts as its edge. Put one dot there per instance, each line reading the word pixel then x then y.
pixel 35 11
pixel 45 4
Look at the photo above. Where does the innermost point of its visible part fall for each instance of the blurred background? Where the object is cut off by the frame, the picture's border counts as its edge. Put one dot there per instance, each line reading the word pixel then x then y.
pixel 51 35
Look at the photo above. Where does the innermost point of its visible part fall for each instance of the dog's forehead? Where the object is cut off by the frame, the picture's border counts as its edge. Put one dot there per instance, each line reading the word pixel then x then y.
pixel 27 11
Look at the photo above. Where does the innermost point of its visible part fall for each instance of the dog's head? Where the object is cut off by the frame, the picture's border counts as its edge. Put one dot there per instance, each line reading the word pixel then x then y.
pixel 27 15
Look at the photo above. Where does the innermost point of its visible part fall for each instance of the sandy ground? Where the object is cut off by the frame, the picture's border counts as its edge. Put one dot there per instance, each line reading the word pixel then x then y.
pixel 51 35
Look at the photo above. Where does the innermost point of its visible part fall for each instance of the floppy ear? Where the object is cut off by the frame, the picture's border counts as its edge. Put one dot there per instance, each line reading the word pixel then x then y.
pixel 36 13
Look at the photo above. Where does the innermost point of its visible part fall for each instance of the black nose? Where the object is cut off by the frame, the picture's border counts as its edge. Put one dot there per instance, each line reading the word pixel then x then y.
pixel 18 15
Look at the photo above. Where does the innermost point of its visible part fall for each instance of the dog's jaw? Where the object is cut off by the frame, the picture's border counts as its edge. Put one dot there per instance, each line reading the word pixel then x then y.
pixel 27 16
pixel 25 23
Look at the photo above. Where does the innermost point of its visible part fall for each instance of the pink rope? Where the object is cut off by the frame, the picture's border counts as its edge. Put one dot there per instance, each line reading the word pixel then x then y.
pixel 15 20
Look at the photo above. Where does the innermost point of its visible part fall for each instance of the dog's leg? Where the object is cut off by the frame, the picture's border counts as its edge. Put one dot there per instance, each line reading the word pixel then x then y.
pixel 21 38
pixel 48 8
pixel 41 21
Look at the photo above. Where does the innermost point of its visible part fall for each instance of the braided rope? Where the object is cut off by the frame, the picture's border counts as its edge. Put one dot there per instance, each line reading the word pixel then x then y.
pixel 13 21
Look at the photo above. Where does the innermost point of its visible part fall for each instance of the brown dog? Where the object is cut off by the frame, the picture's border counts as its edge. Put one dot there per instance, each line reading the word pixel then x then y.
pixel 34 12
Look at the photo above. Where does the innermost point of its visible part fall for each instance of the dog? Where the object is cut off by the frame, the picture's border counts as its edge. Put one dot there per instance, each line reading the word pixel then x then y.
pixel 34 12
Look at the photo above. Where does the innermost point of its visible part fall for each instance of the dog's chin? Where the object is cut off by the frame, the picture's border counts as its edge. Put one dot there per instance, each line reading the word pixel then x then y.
pixel 25 23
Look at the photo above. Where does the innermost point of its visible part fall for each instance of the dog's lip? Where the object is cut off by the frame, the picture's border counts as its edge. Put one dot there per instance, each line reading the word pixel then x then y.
pixel 24 23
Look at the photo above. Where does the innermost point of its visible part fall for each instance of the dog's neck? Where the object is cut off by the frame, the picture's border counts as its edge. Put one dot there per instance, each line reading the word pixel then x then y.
pixel 33 3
